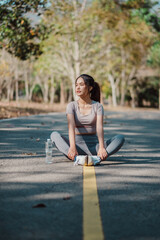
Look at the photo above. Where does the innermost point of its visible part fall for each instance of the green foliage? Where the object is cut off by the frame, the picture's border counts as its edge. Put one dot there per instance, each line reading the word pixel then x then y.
pixel 154 55
pixel 146 13
pixel 17 34
pixel 37 90
pixel 37 94
pixel 106 89
pixel 148 92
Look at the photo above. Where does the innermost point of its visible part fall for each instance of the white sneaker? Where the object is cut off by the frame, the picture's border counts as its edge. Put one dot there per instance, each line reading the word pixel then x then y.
pixel 93 160
pixel 81 160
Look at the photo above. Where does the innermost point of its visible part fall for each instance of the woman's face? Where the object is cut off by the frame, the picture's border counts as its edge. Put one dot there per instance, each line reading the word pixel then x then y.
pixel 81 88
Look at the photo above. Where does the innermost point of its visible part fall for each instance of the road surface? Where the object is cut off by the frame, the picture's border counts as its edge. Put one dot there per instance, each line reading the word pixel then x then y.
pixel 128 183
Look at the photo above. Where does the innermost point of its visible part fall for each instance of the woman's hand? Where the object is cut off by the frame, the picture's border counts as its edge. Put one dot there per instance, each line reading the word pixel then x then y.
pixel 102 153
pixel 72 152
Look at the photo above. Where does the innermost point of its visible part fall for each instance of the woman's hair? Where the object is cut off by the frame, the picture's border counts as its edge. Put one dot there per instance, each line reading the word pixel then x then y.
pixel 89 81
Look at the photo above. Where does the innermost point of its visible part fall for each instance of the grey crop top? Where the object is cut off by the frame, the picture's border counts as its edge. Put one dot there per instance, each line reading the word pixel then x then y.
pixel 85 123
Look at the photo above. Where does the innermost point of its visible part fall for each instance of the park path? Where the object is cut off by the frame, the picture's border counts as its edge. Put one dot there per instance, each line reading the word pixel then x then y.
pixel 128 184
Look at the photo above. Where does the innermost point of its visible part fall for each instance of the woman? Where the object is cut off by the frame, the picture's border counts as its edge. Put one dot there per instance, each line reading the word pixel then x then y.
pixel 85 125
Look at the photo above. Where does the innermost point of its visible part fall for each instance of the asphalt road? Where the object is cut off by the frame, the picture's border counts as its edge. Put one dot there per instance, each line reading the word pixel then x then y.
pixel 128 183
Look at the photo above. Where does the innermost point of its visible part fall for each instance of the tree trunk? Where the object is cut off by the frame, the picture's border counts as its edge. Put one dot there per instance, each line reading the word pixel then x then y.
pixel 73 85
pixel 101 96
pixel 122 93
pixel 16 82
pixel 31 91
pixel 8 92
pixel 9 82
pixel 52 90
pixel 113 88
pixel 75 69
pixel 76 57
pixel 11 91
pixel 26 85
pixel 16 88
pixel 123 77
pixel 123 88
pixel 62 96
pixel 133 96
pixel 45 92
pixel 70 95
pixel 159 96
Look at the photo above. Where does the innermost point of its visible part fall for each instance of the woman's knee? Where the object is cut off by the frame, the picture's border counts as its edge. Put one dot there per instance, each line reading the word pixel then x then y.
pixel 120 137
pixel 54 135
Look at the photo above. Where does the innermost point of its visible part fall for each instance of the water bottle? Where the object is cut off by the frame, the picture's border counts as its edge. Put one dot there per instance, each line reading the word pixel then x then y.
pixel 49 151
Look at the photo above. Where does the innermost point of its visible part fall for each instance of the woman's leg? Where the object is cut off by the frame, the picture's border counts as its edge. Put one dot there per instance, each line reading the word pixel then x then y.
pixel 112 145
pixel 62 143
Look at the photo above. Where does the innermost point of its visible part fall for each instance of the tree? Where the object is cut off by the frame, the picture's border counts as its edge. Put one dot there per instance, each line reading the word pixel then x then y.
pixel 11 73
pixel 107 39
pixel 18 36
pixel 126 40
pixel 73 39
pixel 154 61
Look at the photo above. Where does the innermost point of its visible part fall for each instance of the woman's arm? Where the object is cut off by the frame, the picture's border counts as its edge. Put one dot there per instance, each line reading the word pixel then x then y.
pixel 71 131
pixel 100 133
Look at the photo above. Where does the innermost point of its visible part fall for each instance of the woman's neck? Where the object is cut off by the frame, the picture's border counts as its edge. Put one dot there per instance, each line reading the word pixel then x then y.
pixel 84 101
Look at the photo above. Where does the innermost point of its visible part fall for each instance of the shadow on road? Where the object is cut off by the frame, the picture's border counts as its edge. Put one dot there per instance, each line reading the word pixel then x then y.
pixel 128 182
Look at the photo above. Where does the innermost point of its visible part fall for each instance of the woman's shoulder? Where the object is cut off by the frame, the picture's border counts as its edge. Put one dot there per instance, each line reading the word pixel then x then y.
pixel 71 106
pixel 98 107
pixel 97 104
pixel 72 103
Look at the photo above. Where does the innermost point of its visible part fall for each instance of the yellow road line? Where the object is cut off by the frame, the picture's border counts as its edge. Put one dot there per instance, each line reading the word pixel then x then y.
pixel 92 224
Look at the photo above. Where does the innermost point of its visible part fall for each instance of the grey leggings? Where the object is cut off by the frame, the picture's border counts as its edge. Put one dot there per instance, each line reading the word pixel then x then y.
pixel 87 144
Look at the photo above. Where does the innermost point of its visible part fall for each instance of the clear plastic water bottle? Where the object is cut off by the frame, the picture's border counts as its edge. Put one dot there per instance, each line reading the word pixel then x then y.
pixel 49 151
